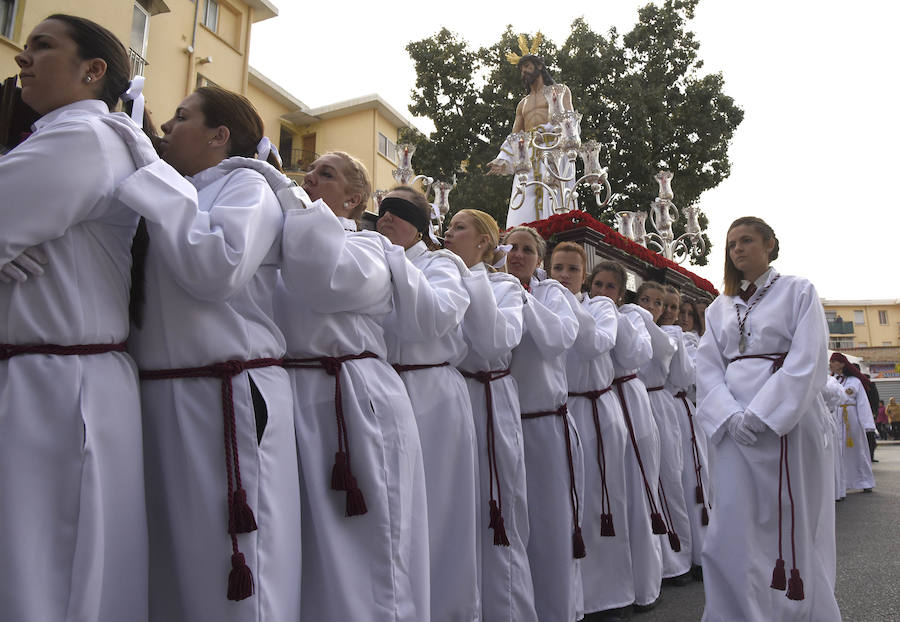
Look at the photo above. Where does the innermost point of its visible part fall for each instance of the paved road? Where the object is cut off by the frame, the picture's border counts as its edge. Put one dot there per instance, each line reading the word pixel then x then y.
pixel 868 549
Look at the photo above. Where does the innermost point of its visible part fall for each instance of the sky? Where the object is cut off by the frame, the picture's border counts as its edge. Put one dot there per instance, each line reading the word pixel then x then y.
pixel 817 80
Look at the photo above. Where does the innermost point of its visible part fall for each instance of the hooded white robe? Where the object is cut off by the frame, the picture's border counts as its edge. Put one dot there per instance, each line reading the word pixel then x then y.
pixel 633 350
pixel 742 540
pixel 210 273
pixel 430 333
pixel 73 542
pixel 337 287
pixel 552 461
pixel 492 327
pixel 857 459
pixel 606 571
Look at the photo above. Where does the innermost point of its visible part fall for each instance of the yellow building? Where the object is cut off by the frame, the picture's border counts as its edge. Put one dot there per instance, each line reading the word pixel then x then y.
pixel 179 45
pixel 862 323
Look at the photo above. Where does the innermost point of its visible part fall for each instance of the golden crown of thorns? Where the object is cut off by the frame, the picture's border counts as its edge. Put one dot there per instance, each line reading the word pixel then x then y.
pixel 525 50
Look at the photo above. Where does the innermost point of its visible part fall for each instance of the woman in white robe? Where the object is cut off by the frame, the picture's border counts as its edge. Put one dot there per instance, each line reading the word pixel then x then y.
pixel 208 348
pixel 74 530
pixel 364 527
pixel 854 417
pixel 424 344
pixel 633 349
pixel 554 460
pixel 606 572
pixel 760 372
pixel 833 393
pixel 492 327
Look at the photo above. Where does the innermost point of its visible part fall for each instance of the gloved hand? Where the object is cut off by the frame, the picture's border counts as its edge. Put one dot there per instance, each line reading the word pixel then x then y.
pixel 754 423
pixel 29 262
pixel 739 431
pixel 290 195
pixel 139 145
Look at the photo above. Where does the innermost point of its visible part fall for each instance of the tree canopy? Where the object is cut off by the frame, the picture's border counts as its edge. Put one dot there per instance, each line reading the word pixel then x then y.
pixel 643 97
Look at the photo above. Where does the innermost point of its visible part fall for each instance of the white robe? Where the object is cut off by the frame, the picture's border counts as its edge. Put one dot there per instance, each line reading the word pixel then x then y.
pixel 210 274
pixel 492 327
pixel 743 534
pixel 854 417
pixel 554 460
pixel 606 571
pixel 430 333
pixel 337 287
pixel 832 394
pixel 682 375
pixel 74 534
pixel 632 350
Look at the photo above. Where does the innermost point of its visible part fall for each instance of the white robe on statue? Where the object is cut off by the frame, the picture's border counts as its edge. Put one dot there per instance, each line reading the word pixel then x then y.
pixel 742 540
pixel 430 333
pixel 554 460
pixel 492 327
pixel 210 274
pixel 833 393
pixel 633 350
pixel 854 417
pixel 606 571
pixel 74 530
pixel 670 491
pixel 337 287
pixel 694 473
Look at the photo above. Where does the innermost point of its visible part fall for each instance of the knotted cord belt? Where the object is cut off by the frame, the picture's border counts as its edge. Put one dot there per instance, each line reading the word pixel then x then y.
pixel 699 497
pixel 7 351
pixel 674 540
pixel 404 368
pixel 606 520
pixel 795 585
pixel 496 507
pixel 656 520
pixel 341 474
pixel 240 516
pixel 847 425
pixel 562 412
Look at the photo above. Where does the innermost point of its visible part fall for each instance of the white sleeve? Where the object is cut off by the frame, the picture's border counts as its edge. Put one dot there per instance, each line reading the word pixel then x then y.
pixel 49 183
pixel 333 271
pixel 213 253
pixel 598 326
pixel 863 407
pixel 682 369
pixel 633 348
pixel 493 322
pixel 552 324
pixel 715 403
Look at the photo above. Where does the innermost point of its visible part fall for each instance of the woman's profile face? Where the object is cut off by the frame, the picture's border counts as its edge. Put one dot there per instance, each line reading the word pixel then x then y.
pixel 523 258
pixel 186 139
pixel 326 180
pixel 50 71
pixel 748 251
pixel 652 300
pixel 400 232
pixel 567 268
pixel 606 283
pixel 463 239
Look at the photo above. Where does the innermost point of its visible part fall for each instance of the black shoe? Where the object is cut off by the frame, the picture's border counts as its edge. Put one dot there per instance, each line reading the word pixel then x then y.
pixel 874 460
pixel 622 614
pixel 648 607
pixel 678 581
pixel 867 490
pixel 697 573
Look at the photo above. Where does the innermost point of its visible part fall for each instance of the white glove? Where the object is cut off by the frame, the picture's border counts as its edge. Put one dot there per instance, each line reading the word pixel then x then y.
pixel 290 195
pixel 139 145
pixel 754 423
pixel 739 430
pixel 29 262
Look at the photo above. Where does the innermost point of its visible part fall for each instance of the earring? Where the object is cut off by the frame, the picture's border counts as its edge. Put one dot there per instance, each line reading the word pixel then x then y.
pixel 88 78
pixel 346 204
pixel 479 246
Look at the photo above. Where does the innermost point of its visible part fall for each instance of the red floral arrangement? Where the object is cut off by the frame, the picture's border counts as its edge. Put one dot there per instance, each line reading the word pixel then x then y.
pixel 573 220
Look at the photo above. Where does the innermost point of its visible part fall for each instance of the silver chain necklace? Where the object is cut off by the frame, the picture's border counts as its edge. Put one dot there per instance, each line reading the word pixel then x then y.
pixel 742 343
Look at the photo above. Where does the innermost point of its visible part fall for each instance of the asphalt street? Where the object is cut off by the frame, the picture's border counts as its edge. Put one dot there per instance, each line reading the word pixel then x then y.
pixel 868 549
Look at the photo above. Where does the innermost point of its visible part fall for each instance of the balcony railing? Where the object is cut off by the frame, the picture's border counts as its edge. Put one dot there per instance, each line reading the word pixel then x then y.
pixel 840 327
pixel 138 63
pixel 300 160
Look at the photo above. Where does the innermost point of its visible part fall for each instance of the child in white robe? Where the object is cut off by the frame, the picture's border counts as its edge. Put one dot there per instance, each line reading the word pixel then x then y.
pixel 854 415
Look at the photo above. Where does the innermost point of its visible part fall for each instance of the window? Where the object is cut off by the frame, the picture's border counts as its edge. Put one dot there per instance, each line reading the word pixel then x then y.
pixel 886 343
pixel 387 148
pixel 862 344
pixel 7 18
pixel 210 17
pixel 882 318
pixel 859 317
pixel 831 315
pixel 204 81
pixel 140 29
pixel 839 344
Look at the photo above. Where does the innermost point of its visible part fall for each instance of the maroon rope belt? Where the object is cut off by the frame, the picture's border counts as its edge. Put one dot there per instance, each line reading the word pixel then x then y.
pixel 779 582
pixel 561 412
pixel 674 541
pixel 659 388
pixel 240 516
pixel 496 507
pixel 341 474
pixel 403 368
pixel 699 497
pixel 656 520
pixel 606 520
pixel 7 351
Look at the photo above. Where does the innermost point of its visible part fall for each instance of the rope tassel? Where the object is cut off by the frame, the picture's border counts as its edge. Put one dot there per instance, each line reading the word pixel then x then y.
pixel 240 579
pixel 779 580
pixel 241 519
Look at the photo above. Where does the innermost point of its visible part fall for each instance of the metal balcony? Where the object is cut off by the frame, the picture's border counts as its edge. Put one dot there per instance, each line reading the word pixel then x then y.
pixel 840 327
pixel 138 63
pixel 300 160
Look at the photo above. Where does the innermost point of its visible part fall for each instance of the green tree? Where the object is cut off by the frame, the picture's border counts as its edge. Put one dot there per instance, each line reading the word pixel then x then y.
pixel 642 95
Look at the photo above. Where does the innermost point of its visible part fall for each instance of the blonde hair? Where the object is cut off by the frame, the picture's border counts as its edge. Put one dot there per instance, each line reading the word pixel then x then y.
pixel 486 225
pixel 357 181
pixel 733 276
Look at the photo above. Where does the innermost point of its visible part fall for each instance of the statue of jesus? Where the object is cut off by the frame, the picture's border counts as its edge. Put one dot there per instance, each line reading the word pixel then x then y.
pixel 534 116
